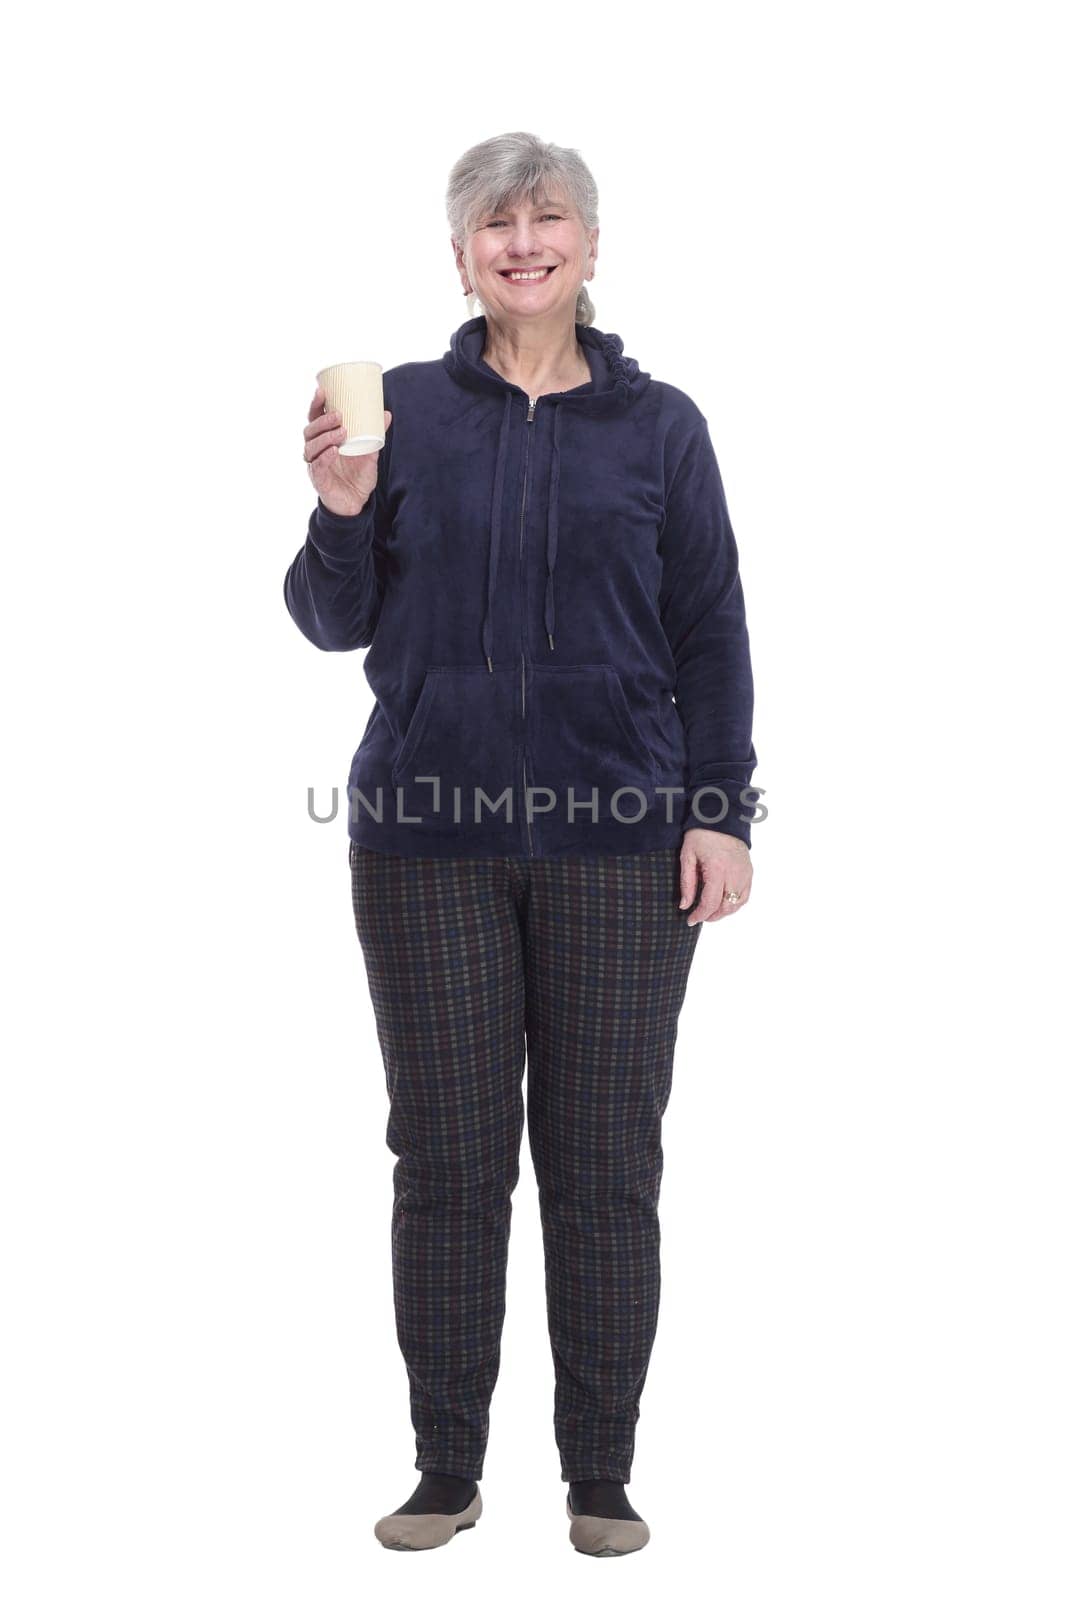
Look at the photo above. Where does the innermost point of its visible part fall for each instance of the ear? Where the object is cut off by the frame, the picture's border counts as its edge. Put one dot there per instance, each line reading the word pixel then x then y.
pixel 457 251
pixel 594 239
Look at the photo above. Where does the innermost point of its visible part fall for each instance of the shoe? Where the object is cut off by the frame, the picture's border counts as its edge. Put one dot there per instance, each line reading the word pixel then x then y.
pixel 426 1530
pixel 607 1536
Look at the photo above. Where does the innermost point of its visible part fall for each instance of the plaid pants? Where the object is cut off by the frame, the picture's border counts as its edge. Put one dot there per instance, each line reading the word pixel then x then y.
pixel 577 965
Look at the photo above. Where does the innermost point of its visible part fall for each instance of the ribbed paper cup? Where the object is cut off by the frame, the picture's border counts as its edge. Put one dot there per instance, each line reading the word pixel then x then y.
pixel 354 388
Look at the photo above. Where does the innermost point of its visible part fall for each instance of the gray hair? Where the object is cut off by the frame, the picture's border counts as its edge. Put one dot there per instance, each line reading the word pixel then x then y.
pixel 516 167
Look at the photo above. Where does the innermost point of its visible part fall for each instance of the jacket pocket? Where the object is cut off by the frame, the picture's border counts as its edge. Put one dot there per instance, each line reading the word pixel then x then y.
pixel 583 737
pixel 462 732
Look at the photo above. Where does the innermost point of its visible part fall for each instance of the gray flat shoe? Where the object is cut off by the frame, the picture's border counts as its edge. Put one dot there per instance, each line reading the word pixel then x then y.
pixel 426 1530
pixel 607 1536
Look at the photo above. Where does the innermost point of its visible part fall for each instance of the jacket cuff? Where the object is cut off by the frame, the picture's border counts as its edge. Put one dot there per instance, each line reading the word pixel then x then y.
pixel 334 534
pixel 711 803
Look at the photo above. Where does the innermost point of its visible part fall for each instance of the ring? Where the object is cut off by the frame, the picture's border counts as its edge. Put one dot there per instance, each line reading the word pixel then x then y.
pixel 731 896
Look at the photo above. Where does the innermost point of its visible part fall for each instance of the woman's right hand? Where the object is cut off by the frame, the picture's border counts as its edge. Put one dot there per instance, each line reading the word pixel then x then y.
pixel 344 483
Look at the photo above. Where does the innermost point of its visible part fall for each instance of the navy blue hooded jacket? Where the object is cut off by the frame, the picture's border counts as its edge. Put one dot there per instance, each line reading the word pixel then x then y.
pixel 551 597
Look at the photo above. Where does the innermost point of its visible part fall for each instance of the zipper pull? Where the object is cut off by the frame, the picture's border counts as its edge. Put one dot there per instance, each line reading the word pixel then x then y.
pixel 530 412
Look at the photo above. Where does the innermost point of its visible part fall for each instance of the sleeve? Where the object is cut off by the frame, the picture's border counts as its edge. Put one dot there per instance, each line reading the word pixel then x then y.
pixel 702 609
pixel 334 587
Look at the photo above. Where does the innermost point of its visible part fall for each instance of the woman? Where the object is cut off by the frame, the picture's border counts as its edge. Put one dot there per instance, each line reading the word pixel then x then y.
pixel 549 800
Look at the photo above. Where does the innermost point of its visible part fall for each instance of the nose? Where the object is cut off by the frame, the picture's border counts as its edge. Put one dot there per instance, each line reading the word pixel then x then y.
pixel 523 241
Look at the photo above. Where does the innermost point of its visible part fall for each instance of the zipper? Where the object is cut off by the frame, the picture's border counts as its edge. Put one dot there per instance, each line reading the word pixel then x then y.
pixel 522 657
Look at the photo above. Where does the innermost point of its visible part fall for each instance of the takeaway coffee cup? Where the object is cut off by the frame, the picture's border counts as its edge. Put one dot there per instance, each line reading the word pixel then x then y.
pixel 354 388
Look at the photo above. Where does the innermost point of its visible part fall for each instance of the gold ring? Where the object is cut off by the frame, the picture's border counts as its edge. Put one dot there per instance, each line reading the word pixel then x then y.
pixel 731 895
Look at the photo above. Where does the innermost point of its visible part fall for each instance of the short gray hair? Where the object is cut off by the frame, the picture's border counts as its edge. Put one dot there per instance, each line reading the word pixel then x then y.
pixel 513 167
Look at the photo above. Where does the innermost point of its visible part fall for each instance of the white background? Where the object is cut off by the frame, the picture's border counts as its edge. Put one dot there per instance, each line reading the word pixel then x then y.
pixel 837 228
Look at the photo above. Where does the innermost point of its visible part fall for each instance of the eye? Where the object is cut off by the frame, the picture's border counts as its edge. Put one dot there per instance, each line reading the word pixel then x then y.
pixel 551 216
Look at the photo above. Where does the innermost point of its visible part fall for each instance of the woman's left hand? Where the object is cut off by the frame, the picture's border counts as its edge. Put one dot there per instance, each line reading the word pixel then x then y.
pixel 721 864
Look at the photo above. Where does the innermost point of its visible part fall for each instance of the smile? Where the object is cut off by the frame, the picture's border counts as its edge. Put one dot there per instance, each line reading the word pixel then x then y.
pixel 519 276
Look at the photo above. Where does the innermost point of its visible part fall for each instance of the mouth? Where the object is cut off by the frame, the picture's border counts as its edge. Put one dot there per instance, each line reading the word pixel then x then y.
pixel 524 275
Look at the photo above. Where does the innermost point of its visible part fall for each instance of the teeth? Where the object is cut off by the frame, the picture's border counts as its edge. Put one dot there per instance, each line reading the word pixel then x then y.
pixel 522 277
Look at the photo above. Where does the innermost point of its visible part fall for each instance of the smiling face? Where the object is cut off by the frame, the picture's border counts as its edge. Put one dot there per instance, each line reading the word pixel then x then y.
pixel 528 260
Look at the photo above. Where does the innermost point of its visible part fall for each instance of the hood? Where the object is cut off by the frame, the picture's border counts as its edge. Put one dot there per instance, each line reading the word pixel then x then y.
pixel 617 380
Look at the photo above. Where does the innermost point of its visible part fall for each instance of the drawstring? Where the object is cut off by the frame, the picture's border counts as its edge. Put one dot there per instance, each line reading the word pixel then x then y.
pixel 494 529
pixel 553 530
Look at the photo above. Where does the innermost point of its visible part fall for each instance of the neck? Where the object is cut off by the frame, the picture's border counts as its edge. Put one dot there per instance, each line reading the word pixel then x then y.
pixel 535 355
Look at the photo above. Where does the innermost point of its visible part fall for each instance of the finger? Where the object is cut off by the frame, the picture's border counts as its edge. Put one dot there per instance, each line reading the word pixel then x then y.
pixel 688 878
pixel 323 444
pixel 327 423
pixel 318 403
pixel 728 907
pixel 710 893
pixel 315 444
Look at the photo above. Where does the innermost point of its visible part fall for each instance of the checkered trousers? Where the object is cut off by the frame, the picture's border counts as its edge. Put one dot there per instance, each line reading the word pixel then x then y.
pixel 575 967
